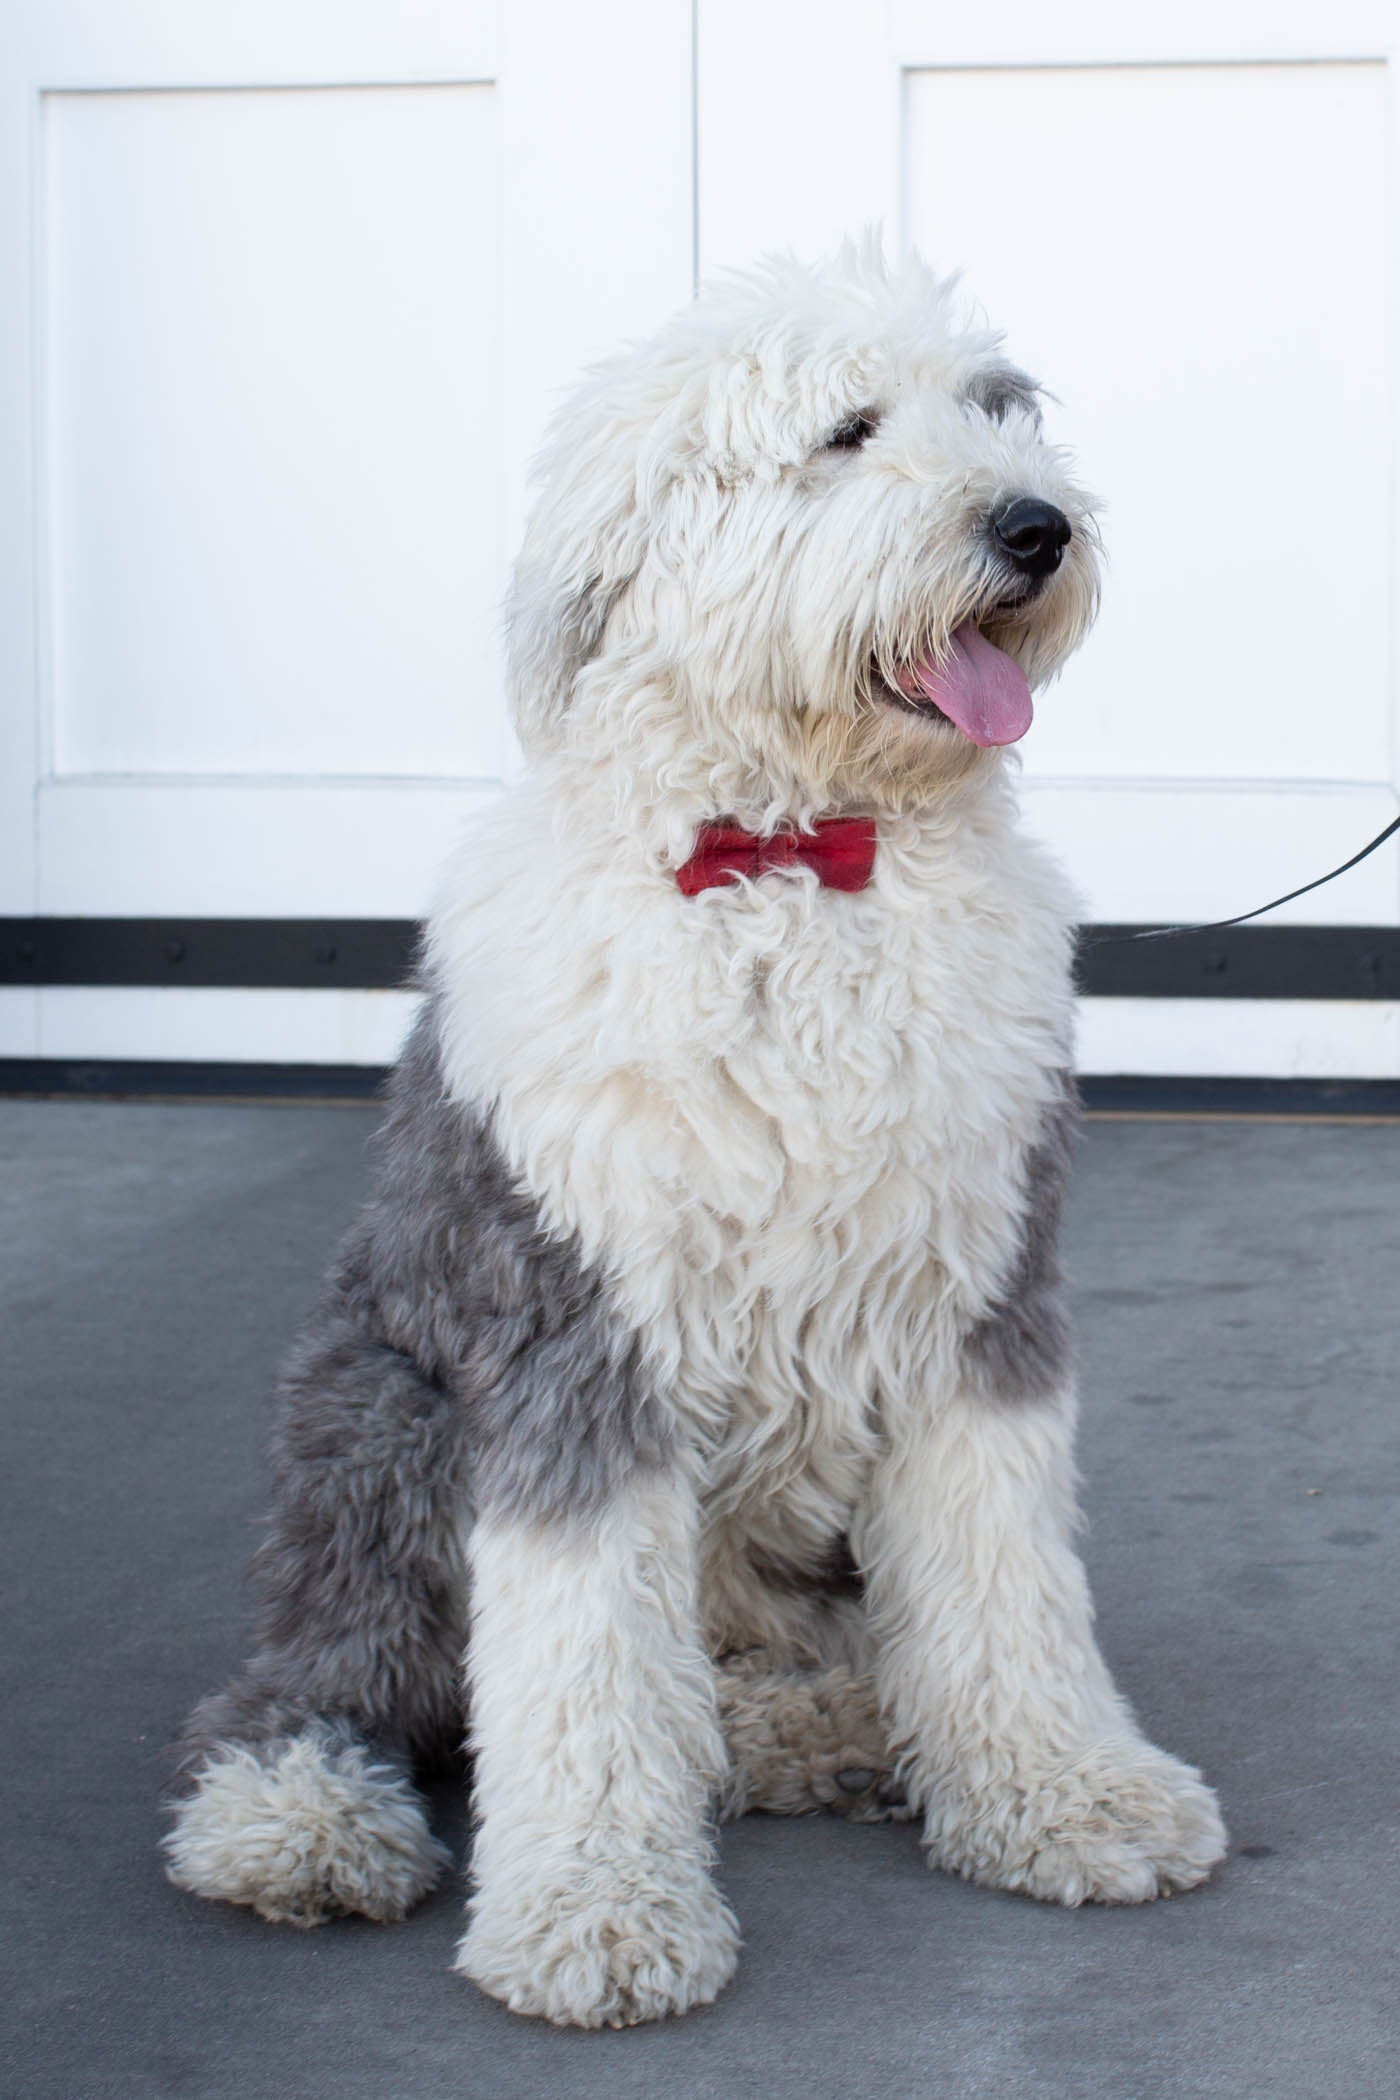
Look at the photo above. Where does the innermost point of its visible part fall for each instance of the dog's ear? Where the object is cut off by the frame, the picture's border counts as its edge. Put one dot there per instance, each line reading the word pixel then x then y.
pixel 582 548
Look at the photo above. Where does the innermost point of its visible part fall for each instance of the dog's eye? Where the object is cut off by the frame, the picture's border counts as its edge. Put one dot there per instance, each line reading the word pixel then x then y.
pixel 852 434
pixel 996 393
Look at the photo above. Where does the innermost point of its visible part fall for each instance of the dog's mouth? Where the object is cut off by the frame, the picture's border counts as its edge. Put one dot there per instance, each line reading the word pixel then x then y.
pixel 971 683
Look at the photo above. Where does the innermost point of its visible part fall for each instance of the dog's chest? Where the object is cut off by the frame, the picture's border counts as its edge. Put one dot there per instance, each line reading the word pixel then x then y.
pixel 790 1127
pixel 814 1208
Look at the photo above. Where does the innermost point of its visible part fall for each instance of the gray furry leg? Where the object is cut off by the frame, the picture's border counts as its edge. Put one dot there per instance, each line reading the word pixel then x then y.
pixel 800 1740
pixel 298 1797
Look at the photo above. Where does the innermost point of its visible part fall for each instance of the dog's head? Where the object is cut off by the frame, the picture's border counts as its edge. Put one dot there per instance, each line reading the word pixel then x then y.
pixel 808 544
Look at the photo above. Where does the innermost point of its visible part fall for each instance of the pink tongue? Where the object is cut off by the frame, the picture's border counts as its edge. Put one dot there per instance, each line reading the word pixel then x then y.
pixel 978 686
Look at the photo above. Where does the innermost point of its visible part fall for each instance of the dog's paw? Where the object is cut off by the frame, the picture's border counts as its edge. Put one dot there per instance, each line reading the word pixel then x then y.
pixel 862 1794
pixel 656 1944
pixel 303 1829
pixel 1122 1823
pixel 806 1740
pixel 845 1757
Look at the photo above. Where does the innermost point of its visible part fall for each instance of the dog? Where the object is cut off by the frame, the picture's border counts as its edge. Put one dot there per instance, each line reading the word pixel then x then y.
pixel 689 1413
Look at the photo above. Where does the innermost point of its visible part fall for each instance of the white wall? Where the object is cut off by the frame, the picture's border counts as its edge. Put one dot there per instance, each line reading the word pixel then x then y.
pixel 297 279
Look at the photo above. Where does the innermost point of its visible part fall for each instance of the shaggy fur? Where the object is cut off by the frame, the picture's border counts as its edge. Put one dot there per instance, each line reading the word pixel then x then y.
pixel 699 1371
pixel 304 1828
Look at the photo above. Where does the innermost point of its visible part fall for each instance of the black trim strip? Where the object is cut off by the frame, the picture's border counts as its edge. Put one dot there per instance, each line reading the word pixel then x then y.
pixel 1243 962
pixel 242 954
pixel 1125 1095
pixel 142 1079
pixel 152 1079
pixel 1239 962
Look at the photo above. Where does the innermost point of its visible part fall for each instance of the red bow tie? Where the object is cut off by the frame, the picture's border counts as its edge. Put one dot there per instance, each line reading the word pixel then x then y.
pixel 841 849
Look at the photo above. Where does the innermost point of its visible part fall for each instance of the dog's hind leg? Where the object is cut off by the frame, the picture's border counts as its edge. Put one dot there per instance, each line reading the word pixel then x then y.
pixel 805 1739
pixel 796 1688
pixel 299 1797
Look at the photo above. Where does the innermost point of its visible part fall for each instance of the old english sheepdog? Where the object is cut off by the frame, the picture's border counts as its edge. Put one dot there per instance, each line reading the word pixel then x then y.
pixel 689 1414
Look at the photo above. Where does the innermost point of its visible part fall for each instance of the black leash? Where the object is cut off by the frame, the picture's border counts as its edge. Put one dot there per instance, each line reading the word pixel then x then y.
pixel 1161 933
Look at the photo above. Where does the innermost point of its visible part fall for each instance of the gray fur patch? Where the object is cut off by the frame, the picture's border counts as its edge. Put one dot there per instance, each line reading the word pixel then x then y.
pixel 998 388
pixel 471 1285
pixel 1020 1348
pixel 460 1356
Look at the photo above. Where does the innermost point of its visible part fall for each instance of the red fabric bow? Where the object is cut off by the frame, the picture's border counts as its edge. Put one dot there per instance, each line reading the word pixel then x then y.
pixel 841 849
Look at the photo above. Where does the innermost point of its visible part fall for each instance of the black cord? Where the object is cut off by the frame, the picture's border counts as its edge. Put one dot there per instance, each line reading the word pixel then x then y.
pixel 1161 933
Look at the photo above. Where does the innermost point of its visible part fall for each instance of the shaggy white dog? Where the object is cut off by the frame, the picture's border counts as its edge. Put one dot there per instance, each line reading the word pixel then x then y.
pixel 704 1327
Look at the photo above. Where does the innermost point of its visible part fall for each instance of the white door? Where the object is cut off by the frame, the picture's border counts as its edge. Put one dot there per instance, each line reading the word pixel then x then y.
pixel 288 288
pixel 1186 219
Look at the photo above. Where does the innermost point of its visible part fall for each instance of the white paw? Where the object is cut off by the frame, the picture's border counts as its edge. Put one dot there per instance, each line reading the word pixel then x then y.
pixel 302 1829
pixel 1122 1823
pixel 656 1944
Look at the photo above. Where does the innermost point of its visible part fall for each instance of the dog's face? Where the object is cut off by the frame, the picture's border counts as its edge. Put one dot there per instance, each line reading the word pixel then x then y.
pixel 811 537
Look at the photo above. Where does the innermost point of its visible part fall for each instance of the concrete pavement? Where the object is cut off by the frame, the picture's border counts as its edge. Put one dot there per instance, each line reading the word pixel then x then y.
pixel 1238 1290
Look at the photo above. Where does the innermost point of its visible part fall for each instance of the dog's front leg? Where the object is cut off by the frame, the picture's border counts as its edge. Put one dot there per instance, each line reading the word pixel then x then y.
pixel 597 1753
pixel 1026 1764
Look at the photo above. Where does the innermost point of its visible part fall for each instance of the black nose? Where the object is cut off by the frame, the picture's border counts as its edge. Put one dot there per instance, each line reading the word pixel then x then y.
pixel 1034 535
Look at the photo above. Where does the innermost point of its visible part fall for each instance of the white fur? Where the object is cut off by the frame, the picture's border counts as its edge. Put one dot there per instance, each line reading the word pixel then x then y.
pixel 1025 1760
pixel 597 1748
pixel 797 1150
pixel 302 1830
pixel 791 1127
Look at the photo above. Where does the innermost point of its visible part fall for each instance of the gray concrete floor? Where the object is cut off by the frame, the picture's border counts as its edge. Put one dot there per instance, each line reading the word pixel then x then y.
pixel 1237 1296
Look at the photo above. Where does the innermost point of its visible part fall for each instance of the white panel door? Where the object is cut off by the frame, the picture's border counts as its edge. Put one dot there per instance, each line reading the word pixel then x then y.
pixel 1186 219
pixel 290 286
